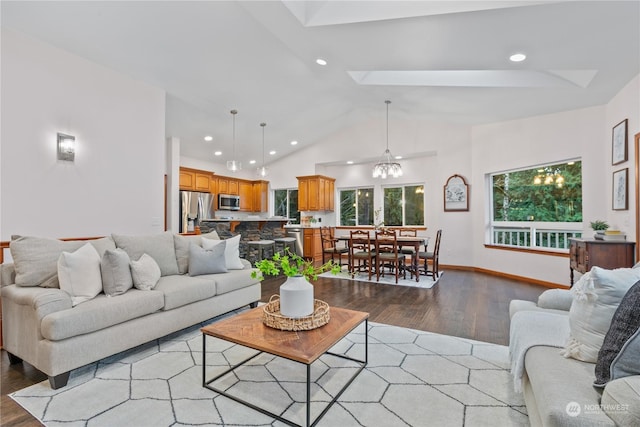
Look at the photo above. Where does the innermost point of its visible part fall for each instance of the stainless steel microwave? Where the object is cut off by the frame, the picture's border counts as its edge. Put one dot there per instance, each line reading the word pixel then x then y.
pixel 228 202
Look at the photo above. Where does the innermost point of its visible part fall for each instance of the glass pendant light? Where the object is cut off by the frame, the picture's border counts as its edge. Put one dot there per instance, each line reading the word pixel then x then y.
pixel 234 165
pixel 262 171
pixel 387 167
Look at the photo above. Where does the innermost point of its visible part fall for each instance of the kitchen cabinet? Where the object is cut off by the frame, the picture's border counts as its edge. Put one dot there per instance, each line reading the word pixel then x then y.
pixel 245 191
pixel 195 180
pixel 316 193
pixel 587 253
pixel 187 180
pixel 312 244
pixel 260 196
pixel 202 182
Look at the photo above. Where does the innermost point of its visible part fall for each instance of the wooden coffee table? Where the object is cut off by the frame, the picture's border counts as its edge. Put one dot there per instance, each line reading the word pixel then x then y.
pixel 304 347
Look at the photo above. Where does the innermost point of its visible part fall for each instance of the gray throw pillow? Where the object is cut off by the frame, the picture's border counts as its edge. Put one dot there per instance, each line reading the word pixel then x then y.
pixel 619 355
pixel 160 247
pixel 116 274
pixel 207 261
pixel 182 247
pixel 36 258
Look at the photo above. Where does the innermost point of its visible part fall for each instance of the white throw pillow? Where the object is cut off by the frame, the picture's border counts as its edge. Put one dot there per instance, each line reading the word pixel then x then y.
pixel 596 298
pixel 145 273
pixel 231 252
pixel 79 274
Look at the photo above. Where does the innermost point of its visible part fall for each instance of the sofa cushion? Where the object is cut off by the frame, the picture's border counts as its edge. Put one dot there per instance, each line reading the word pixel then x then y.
pixel 596 300
pixel 620 353
pixel 99 313
pixel 182 290
pixel 116 272
pixel 556 382
pixel 182 247
pixel 145 273
pixel 556 299
pixel 207 261
pixel 620 401
pixel 234 279
pixel 79 273
pixel 159 246
pixel 36 258
pixel 231 252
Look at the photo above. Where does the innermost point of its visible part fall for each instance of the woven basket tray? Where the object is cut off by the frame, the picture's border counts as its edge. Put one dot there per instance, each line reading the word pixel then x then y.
pixel 271 316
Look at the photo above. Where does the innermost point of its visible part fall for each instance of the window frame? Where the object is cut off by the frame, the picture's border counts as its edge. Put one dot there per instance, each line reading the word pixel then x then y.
pixel 553 230
pixel 404 212
pixel 288 203
pixel 356 190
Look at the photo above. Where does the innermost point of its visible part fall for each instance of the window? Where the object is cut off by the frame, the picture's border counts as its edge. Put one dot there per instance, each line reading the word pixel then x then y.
pixel 404 205
pixel 286 204
pixel 537 208
pixel 356 207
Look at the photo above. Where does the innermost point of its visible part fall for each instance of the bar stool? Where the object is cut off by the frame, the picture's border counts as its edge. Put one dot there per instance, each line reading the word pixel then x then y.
pixel 286 242
pixel 261 246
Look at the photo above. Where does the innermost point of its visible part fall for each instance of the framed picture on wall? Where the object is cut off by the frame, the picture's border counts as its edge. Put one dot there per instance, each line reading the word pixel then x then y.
pixel 456 194
pixel 621 190
pixel 619 143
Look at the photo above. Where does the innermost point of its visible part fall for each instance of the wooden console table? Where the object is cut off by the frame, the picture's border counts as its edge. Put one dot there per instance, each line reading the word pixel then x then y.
pixel 586 253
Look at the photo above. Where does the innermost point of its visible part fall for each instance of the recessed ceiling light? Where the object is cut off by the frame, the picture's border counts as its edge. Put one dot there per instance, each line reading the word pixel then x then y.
pixel 208 138
pixel 252 162
pixel 518 57
pixel 294 142
pixel 321 61
pixel 272 152
pixel 218 153
pixel 350 162
pixel 398 157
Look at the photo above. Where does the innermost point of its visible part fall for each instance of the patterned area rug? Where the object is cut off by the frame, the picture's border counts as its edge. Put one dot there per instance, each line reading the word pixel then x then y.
pixel 413 378
pixel 426 282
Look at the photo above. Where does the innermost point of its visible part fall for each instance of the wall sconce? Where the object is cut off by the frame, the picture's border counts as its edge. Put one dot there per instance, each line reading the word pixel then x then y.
pixel 66 147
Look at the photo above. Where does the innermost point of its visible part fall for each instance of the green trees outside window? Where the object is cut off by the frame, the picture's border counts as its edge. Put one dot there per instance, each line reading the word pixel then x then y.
pixel 544 194
pixel 356 206
pixel 286 204
pixel 404 205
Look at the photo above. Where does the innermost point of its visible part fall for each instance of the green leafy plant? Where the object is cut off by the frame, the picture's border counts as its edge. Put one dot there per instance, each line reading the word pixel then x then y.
pixel 290 265
pixel 599 225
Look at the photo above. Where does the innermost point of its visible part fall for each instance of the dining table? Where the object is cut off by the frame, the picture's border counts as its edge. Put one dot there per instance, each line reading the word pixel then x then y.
pixel 402 241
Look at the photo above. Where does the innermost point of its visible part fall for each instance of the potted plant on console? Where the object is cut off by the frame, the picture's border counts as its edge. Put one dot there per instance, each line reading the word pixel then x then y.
pixel 296 293
pixel 599 227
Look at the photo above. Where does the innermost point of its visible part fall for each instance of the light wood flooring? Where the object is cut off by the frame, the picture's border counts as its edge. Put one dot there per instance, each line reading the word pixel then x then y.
pixel 464 304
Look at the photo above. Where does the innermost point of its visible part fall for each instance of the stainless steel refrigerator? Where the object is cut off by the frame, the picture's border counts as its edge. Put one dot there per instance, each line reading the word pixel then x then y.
pixel 194 208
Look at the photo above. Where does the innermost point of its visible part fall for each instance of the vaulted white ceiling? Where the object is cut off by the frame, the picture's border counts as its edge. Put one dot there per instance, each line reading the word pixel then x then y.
pixel 436 60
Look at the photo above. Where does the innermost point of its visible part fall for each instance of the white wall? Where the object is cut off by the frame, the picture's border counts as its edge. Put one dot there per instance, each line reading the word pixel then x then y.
pixel 625 105
pixel 116 181
pixel 584 133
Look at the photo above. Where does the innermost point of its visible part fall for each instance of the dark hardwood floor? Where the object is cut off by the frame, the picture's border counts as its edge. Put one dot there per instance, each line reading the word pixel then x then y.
pixel 463 304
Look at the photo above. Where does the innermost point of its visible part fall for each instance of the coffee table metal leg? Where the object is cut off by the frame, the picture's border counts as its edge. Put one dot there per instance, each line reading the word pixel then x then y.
pixel 207 384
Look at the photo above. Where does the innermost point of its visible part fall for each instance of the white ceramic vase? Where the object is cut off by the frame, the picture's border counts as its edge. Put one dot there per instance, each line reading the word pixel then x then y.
pixel 296 297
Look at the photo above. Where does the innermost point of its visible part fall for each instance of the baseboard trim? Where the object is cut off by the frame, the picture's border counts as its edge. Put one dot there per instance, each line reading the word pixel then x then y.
pixel 542 283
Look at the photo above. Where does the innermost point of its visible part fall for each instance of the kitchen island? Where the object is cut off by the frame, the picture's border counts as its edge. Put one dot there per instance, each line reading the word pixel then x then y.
pixel 249 228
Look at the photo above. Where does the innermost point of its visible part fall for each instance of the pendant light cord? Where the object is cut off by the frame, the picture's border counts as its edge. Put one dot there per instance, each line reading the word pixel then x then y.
pixel 387 102
pixel 263 125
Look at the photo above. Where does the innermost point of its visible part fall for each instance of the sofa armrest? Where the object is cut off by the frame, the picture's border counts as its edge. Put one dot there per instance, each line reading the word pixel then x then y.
pixel 42 301
pixel 621 400
pixel 556 299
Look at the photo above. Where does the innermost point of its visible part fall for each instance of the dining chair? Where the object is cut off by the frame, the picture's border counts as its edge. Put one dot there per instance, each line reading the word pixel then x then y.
pixel 387 254
pixel 432 256
pixel 332 246
pixel 408 251
pixel 361 255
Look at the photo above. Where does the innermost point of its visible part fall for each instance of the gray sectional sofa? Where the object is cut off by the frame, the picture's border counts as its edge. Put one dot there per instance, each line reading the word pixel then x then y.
pixel 42 326
pixel 558 390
